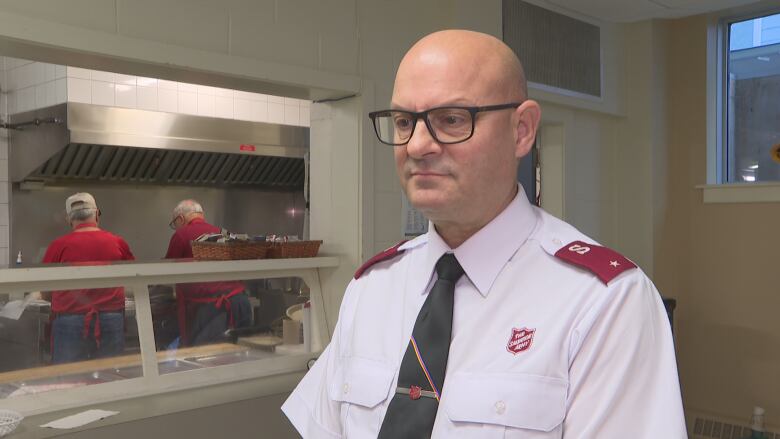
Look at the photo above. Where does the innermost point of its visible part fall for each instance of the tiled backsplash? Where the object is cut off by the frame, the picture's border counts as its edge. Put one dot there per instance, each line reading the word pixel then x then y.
pixel 30 85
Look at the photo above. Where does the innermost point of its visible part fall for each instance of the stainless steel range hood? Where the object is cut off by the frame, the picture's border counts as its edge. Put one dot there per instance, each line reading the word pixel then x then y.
pixel 120 145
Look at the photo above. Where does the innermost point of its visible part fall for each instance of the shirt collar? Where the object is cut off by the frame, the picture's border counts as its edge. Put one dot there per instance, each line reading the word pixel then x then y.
pixel 484 254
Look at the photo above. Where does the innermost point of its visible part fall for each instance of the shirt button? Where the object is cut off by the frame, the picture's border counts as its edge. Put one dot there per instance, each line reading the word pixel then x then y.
pixel 345 388
pixel 500 407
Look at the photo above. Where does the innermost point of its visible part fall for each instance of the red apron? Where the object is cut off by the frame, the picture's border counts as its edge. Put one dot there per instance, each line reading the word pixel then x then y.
pixel 221 301
pixel 92 313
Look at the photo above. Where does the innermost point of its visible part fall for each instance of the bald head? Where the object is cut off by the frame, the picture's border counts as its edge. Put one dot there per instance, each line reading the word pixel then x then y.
pixel 463 184
pixel 473 55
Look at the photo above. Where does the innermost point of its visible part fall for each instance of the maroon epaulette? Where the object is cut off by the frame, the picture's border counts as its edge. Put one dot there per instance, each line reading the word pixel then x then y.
pixel 385 255
pixel 602 261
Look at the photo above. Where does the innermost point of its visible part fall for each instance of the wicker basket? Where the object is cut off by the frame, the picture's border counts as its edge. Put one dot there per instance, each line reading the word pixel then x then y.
pixel 9 420
pixel 229 251
pixel 294 249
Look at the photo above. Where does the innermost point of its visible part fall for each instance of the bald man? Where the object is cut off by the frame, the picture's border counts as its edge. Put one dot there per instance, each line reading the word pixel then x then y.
pixel 502 321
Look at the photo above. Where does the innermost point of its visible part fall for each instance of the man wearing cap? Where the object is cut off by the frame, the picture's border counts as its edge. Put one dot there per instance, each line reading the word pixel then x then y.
pixel 205 309
pixel 87 323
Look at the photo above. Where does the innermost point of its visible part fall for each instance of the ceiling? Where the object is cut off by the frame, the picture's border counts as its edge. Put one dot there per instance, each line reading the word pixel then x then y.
pixel 624 11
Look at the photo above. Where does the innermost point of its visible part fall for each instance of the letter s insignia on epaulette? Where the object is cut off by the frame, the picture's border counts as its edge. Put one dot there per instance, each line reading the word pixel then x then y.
pixel 604 262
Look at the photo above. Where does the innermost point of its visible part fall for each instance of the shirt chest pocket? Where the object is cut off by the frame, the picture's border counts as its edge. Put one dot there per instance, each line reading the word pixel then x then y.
pixel 361 385
pixel 502 405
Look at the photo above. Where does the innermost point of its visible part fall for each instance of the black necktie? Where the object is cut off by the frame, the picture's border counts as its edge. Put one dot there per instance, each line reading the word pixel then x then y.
pixel 413 409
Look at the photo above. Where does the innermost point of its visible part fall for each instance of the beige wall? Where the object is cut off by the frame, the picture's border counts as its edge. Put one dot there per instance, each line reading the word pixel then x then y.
pixel 719 259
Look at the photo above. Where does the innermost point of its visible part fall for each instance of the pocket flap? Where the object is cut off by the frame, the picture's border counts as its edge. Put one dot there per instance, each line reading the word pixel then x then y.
pixel 532 402
pixel 361 381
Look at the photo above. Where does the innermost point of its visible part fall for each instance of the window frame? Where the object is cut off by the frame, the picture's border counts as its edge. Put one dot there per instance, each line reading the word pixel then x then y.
pixel 717 188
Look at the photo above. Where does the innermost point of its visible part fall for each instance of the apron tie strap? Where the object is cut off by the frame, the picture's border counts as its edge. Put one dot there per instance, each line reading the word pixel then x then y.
pixel 92 314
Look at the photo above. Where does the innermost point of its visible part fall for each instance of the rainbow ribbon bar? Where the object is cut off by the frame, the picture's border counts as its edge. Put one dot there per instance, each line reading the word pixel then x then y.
pixel 425 369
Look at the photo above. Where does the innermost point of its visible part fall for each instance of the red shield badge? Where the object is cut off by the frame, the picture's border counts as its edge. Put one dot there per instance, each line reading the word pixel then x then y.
pixel 520 340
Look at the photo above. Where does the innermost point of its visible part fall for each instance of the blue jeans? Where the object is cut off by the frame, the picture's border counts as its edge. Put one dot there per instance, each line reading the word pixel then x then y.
pixel 69 344
pixel 210 323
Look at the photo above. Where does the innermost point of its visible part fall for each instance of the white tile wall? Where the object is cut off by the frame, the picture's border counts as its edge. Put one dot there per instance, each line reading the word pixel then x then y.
pixel 259 111
pixel 242 109
pixel 147 97
pixel 275 112
pixel 169 85
pixel 79 90
pixel 126 95
pixel 223 107
pixel 206 105
pixel 188 102
pixel 4 217
pixel 61 90
pixel 34 85
pixel 103 93
pixel 168 100
pixel 146 82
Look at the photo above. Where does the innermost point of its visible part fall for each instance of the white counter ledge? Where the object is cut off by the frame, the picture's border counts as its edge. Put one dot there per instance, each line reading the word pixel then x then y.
pixel 264 373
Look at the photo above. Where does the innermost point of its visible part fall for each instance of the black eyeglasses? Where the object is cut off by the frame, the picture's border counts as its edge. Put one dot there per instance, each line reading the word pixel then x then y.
pixel 447 125
pixel 172 224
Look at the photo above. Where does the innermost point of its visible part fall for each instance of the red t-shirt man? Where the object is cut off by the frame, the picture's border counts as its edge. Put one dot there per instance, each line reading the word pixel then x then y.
pixel 201 305
pixel 78 315
pixel 87 243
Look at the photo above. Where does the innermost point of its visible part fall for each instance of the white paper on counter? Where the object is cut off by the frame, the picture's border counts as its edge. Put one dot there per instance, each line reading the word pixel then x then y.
pixel 14 309
pixel 79 419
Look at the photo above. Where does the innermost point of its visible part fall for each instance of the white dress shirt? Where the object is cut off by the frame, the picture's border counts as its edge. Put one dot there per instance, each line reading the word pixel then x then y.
pixel 589 360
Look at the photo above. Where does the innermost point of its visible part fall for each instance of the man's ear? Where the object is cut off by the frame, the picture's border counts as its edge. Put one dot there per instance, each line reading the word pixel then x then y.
pixel 527 117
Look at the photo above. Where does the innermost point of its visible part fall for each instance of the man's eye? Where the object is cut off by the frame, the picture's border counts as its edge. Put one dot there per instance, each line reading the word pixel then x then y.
pixel 403 122
pixel 451 119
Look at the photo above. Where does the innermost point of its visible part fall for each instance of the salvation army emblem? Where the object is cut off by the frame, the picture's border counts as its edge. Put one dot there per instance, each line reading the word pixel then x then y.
pixel 520 340
pixel 415 392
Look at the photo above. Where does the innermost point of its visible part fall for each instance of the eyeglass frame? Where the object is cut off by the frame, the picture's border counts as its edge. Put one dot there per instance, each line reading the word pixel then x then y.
pixel 172 224
pixel 417 115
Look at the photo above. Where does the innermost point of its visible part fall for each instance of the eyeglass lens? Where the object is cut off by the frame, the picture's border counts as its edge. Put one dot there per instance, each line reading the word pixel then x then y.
pixel 449 125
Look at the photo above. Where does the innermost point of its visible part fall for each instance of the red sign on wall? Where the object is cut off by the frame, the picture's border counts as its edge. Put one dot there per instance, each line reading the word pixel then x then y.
pixel 247 148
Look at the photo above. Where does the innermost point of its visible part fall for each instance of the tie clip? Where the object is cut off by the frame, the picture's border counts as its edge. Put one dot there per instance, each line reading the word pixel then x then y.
pixel 415 392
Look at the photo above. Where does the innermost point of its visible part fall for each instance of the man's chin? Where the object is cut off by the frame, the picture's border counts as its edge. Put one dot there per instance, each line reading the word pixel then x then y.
pixel 427 203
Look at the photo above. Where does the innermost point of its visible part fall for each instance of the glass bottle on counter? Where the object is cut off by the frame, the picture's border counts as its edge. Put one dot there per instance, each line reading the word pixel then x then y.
pixel 757 429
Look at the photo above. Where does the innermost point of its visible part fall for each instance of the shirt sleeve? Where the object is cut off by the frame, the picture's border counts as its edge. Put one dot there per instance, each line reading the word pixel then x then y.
pixel 623 376
pixel 309 408
pixel 52 255
pixel 127 255
pixel 174 248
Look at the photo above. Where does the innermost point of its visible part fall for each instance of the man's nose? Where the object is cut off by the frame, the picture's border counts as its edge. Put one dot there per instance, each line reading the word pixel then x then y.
pixel 422 142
